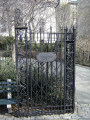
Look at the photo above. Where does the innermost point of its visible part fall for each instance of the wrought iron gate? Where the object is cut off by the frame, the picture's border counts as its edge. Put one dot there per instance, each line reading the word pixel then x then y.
pixel 45 65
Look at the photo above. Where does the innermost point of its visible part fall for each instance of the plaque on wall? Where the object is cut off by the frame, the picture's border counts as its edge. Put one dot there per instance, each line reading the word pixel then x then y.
pixel 46 57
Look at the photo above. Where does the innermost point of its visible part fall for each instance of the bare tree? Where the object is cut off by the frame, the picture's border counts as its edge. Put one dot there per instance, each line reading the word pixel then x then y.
pixel 18 12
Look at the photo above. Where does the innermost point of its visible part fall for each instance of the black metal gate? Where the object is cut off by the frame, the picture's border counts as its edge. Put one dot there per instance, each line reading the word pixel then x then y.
pixel 45 64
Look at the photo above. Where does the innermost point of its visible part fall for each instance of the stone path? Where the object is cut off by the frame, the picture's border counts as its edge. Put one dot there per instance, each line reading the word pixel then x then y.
pixel 83 84
pixel 82 100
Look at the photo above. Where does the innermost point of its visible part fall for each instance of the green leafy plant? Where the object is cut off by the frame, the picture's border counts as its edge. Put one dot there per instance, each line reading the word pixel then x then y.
pixel 7 70
pixel 7 54
pixel 4 41
pixel 9 39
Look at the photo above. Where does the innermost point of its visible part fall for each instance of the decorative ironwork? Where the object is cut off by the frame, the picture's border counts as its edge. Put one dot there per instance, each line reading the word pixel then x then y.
pixel 69 73
pixel 45 87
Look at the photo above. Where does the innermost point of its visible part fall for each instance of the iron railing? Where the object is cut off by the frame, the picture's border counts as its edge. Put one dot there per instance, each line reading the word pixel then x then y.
pixel 45 87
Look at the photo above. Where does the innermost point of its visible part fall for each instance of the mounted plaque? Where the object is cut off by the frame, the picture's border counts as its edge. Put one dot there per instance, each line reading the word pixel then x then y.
pixel 46 57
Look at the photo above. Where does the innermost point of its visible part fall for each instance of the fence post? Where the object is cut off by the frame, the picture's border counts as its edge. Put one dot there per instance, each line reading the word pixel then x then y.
pixel 9 96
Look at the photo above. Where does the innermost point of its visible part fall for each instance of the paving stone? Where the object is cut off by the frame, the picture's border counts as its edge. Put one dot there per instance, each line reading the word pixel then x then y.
pixel 84 116
pixel 1 116
pixel 83 110
pixel 74 119
pixel 84 105
pixel 75 116
pixel 57 117
pixel 48 118
pixel 66 117
pixel 18 119
pixel 85 119
pixel 26 118
pixel 87 116
pixel 32 118
pixel 36 118
pixel 61 119
pixel 9 118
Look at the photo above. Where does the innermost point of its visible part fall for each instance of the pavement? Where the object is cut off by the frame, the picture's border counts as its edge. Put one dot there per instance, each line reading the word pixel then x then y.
pixel 83 84
pixel 82 100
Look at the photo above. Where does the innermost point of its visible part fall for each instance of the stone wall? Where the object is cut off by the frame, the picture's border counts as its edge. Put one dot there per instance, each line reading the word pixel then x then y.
pixel 83 25
pixel 64 17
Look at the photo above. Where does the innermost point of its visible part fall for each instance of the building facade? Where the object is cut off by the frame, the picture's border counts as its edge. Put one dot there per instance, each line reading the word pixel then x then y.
pixel 66 14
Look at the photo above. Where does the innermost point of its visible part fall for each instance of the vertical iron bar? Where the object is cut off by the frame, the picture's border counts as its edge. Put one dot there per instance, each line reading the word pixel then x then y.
pixel 27 71
pixel 47 68
pixel 56 66
pixel 17 70
pixel 61 68
pixel 38 68
pixel 47 74
pixel 74 53
pixel 41 65
pixel 30 69
pixel 41 82
pixel 46 80
pixel 51 68
pixel 34 73
pixel 65 37
pixel 35 81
